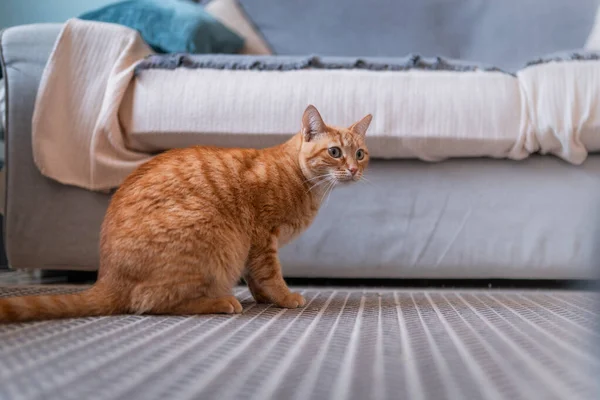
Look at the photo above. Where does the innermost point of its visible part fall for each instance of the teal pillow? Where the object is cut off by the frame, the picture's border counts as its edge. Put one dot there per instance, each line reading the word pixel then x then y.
pixel 171 26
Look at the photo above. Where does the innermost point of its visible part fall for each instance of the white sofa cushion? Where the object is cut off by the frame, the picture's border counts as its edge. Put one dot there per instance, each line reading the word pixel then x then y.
pixel 417 114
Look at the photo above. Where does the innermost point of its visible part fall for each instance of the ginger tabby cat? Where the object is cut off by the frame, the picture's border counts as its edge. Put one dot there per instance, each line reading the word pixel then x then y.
pixel 187 225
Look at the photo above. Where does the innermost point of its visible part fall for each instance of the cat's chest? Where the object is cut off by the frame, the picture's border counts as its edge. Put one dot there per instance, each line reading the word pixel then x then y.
pixel 287 233
pixel 290 231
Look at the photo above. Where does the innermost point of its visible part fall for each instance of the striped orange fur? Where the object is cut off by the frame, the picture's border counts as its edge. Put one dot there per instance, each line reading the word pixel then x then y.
pixel 187 225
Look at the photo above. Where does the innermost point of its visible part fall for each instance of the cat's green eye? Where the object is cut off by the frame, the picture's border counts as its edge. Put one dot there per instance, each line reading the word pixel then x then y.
pixel 360 154
pixel 335 152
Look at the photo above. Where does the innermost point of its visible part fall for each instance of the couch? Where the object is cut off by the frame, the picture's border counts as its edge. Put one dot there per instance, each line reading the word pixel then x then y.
pixel 534 217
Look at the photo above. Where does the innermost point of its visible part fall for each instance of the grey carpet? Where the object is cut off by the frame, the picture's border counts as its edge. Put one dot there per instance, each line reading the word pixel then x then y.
pixel 345 344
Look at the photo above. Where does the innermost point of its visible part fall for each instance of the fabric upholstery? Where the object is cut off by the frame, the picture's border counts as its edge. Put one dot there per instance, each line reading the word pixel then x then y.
pixel 503 33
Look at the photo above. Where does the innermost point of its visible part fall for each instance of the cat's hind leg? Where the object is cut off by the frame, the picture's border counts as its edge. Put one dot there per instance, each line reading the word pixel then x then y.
pixel 198 283
pixel 206 305
pixel 180 299
pixel 190 297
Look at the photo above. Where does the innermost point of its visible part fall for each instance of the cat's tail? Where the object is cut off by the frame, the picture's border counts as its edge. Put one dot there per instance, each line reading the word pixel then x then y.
pixel 95 301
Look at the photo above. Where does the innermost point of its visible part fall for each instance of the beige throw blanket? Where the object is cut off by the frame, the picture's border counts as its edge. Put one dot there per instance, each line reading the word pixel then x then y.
pixel 77 138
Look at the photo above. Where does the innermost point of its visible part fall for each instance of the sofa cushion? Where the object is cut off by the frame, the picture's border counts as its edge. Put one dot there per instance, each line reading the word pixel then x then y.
pixel 171 26
pixel 593 40
pixel 430 109
pixel 504 33
pixel 232 16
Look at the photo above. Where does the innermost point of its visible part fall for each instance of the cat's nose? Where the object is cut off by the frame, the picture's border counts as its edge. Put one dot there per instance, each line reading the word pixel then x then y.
pixel 353 169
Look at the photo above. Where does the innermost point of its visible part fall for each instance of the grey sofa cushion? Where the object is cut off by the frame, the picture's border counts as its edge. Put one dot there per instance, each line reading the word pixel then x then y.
pixel 504 33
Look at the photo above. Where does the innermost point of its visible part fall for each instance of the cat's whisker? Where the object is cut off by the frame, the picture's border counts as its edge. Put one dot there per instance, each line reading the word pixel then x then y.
pixel 325 180
pixel 323 195
pixel 321 200
pixel 315 185
pixel 328 190
pixel 363 179
pixel 316 177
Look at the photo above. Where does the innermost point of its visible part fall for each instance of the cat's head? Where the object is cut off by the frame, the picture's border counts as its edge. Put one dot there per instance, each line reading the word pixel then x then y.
pixel 331 153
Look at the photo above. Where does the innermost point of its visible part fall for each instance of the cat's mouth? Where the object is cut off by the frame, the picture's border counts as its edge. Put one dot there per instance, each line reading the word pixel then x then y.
pixel 347 179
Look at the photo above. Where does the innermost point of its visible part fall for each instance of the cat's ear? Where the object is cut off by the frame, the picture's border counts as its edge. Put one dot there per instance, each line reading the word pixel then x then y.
pixel 312 123
pixel 360 127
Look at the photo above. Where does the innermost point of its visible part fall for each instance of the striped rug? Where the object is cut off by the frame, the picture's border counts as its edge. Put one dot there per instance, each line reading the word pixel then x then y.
pixel 345 344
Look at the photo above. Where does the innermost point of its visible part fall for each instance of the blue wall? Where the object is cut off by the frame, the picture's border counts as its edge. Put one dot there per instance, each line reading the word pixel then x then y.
pixel 18 12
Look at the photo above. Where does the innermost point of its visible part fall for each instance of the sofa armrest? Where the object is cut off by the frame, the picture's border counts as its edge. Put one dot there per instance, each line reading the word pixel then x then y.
pixel 35 206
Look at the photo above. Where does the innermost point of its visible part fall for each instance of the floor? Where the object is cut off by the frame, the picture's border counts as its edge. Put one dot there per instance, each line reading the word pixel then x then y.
pixel 347 343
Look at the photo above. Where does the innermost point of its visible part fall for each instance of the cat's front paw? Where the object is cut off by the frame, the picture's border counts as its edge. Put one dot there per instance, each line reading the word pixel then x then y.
pixel 229 305
pixel 292 300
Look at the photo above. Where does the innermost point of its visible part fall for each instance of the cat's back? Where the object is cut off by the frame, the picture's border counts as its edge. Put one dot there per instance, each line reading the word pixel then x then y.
pixel 207 184
pixel 203 168
pixel 188 178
